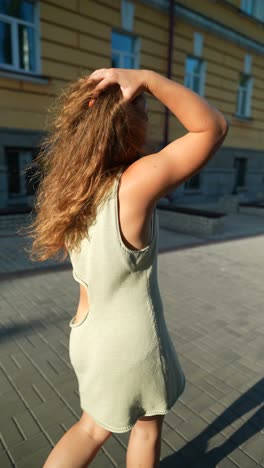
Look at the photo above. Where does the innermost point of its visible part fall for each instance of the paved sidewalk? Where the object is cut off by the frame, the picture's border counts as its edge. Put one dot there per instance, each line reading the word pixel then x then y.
pixel 14 258
pixel 213 304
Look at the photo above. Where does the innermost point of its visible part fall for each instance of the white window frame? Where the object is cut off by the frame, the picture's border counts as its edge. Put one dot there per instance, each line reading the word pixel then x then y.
pixel 122 54
pixel 35 25
pixel 200 75
pixel 254 8
pixel 247 91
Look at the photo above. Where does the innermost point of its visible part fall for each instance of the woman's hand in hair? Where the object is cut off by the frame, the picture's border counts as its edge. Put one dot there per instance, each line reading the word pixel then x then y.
pixel 132 82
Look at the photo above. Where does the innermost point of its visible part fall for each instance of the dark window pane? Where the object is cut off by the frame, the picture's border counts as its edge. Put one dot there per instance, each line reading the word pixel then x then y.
pixel 27 11
pixel 193 73
pixel 193 65
pixel 241 166
pixel 5 43
pixel 189 65
pixel 122 42
pixel 196 83
pixel 243 102
pixel 32 180
pixel 115 61
pixel 188 80
pixel 13 172
pixel 22 9
pixel 26 47
pixel 128 62
pixel 244 80
pixel 195 181
pixel 23 177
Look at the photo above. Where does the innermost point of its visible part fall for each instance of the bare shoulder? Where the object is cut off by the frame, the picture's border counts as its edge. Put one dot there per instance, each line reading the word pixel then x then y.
pixel 143 183
pixel 134 214
pixel 133 190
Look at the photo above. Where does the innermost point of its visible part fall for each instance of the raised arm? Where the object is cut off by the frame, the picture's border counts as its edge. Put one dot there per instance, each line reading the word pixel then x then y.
pixel 157 174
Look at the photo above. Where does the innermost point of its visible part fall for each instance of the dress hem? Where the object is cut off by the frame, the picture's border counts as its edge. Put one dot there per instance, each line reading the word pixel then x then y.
pixel 127 428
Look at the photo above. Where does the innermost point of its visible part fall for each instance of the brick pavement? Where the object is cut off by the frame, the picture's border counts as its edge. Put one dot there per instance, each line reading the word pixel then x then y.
pixel 213 304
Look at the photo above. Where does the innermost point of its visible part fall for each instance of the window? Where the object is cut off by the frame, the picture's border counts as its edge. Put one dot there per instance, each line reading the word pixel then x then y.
pixel 194 79
pixel 22 180
pixel 125 50
pixel 193 182
pixel 127 15
pixel 19 36
pixel 253 8
pixel 195 74
pixel 244 95
pixel 240 165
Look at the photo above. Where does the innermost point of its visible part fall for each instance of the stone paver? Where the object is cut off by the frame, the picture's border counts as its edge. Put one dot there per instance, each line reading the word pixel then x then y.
pixel 213 305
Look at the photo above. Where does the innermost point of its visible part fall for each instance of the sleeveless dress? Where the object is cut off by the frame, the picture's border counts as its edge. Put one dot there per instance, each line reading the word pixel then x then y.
pixel 121 352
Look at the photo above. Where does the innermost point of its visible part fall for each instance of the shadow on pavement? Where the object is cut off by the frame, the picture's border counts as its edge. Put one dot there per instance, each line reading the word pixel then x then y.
pixel 204 241
pixel 28 328
pixel 194 453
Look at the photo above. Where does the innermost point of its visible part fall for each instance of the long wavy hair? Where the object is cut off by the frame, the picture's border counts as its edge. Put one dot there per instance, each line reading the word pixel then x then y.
pixel 78 161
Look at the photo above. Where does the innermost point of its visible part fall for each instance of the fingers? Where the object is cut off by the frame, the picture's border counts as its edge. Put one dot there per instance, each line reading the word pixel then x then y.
pixel 99 74
pixel 103 84
pixel 105 78
pixel 108 76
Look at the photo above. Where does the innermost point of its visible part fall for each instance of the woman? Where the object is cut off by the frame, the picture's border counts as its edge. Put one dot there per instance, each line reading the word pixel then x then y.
pixel 97 201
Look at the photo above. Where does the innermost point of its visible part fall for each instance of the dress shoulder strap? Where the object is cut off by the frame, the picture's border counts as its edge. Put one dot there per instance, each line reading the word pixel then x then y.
pixel 117 180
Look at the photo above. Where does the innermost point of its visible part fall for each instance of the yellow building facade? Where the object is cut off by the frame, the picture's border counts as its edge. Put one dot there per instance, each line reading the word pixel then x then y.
pixel 217 50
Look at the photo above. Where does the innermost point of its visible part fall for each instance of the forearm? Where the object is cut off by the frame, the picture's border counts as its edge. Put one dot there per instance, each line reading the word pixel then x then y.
pixel 192 110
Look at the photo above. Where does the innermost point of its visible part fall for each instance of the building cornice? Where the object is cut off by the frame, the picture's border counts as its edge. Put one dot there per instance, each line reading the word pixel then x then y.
pixel 209 24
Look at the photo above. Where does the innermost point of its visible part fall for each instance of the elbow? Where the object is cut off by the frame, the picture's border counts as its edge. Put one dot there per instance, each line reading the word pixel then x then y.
pixel 221 128
pixel 225 126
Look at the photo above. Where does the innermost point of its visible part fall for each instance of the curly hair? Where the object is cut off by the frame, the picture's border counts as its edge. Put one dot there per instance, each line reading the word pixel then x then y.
pixel 78 161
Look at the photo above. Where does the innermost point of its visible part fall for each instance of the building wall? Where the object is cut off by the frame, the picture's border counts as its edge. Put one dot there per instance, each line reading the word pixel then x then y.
pixel 225 61
pixel 76 39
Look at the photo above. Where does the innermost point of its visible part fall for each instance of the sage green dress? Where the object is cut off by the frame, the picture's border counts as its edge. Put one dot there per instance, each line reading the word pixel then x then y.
pixel 122 354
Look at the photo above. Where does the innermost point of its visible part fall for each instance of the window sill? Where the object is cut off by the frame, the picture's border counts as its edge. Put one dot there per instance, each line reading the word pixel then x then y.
pixel 193 191
pixel 24 76
pixel 241 189
pixel 242 117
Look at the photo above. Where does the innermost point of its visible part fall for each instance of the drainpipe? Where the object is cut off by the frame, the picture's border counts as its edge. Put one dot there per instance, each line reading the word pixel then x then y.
pixel 169 68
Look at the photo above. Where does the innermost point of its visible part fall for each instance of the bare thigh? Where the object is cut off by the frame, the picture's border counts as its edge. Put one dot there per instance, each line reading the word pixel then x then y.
pixel 93 429
pixel 149 427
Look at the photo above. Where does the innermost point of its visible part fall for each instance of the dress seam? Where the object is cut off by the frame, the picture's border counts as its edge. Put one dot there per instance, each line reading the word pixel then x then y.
pixel 157 337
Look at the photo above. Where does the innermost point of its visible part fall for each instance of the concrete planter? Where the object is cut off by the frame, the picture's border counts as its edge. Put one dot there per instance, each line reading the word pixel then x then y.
pixel 192 221
pixel 251 209
pixel 229 203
